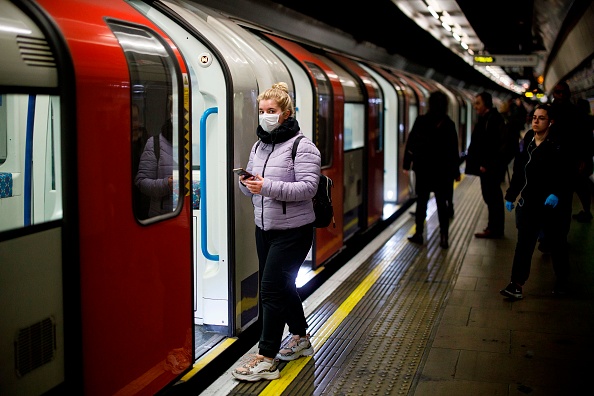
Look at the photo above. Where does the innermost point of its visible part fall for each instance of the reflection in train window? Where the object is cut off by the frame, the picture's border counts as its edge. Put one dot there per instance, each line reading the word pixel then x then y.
pixel 30 160
pixel 323 136
pixel 154 121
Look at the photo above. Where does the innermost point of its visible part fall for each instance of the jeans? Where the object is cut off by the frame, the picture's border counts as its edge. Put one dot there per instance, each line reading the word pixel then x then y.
pixel 281 253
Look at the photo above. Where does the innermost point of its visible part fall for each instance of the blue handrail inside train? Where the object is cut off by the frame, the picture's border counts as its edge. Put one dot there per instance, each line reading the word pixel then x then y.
pixel 29 161
pixel 203 209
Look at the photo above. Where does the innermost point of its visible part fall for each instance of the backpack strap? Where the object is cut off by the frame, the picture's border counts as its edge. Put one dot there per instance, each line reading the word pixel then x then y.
pixel 157 146
pixel 295 144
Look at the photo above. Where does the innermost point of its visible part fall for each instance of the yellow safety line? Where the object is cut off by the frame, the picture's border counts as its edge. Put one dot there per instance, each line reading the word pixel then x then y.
pixel 293 368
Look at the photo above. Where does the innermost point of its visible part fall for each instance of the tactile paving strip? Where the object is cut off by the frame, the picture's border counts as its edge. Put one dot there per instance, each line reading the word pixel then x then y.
pixel 378 349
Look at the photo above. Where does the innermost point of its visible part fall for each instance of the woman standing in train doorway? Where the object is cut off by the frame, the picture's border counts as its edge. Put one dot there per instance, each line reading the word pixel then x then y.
pixel 539 179
pixel 281 190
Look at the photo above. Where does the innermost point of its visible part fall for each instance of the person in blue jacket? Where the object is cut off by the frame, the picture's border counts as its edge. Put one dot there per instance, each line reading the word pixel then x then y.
pixel 281 190
pixel 539 182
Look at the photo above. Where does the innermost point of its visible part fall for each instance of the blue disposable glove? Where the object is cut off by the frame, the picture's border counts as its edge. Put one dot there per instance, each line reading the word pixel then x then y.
pixel 552 200
pixel 509 206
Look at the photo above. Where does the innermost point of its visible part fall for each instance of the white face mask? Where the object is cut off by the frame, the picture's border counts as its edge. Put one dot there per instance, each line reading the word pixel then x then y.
pixel 269 122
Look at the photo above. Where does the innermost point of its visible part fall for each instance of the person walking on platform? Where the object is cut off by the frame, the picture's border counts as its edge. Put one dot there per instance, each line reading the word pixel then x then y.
pixel 432 149
pixel 284 216
pixel 539 180
pixel 485 159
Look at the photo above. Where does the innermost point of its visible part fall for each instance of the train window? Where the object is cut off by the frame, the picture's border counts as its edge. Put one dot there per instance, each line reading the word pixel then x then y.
pixel 354 126
pixel 155 121
pixel 30 168
pixel 376 108
pixel 324 134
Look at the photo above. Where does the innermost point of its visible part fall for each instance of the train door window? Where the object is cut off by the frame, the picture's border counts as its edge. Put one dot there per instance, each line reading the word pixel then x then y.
pixel 30 160
pixel 377 109
pixel 155 121
pixel 324 136
pixel 354 126
pixel 3 133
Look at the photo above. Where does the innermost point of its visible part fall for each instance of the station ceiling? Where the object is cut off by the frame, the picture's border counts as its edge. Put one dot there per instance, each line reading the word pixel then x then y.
pixel 407 28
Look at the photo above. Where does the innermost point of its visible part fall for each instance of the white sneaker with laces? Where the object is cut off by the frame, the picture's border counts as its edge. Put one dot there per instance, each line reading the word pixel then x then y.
pixel 256 369
pixel 295 348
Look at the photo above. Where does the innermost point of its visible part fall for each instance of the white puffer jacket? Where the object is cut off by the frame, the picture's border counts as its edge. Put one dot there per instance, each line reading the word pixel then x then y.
pixel 285 199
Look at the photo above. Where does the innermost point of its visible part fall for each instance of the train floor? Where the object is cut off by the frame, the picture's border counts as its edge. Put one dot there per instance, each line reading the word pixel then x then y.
pixel 404 319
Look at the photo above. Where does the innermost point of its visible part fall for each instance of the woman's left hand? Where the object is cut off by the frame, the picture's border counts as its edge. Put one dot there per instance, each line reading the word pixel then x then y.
pixel 254 184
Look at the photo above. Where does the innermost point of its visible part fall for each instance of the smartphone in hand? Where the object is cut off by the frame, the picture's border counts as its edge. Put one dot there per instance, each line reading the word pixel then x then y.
pixel 243 173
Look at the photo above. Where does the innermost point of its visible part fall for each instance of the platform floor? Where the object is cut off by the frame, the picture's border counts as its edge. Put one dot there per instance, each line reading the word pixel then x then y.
pixel 400 319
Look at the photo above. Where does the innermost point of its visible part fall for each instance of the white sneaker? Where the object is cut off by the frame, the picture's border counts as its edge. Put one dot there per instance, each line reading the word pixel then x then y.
pixel 296 348
pixel 257 369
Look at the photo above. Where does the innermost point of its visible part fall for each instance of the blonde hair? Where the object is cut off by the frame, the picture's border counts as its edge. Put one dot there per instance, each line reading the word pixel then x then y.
pixel 279 92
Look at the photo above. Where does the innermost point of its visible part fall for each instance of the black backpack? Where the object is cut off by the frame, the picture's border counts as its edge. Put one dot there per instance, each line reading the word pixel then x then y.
pixel 322 201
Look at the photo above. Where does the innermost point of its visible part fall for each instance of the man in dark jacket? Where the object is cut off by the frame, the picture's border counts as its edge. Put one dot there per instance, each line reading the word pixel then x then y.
pixel 485 159
pixel 432 152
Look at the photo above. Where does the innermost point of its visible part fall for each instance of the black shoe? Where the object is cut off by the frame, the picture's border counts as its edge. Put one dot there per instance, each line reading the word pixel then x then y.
pixel 443 242
pixel 512 291
pixel 583 217
pixel 416 238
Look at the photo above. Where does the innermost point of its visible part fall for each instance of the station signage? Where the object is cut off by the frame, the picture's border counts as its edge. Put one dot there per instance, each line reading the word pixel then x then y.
pixel 506 60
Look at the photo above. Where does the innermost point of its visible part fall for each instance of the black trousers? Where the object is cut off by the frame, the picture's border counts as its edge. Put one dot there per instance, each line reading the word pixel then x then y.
pixel 530 219
pixel 493 197
pixel 443 190
pixel 281 253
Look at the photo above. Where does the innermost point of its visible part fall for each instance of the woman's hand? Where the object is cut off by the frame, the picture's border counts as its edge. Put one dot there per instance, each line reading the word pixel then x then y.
pixel 254 184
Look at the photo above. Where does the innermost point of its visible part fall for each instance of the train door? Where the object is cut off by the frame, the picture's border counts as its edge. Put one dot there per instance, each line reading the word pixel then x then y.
pixel 225 77
pixel 389 130
pixel 131 278
pixel 326 109
pixel 416 105
pixel 374 138
pixel 33 233
pixel 355 155
pixel 407 113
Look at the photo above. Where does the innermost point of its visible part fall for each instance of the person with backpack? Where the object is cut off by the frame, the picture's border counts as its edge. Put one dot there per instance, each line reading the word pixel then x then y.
pixel 432 152
pixel 281 189
pixel 487 160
